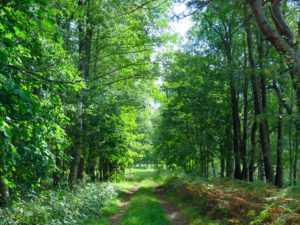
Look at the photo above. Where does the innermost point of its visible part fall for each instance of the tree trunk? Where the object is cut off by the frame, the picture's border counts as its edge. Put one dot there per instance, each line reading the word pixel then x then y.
pixel 229 156
pixel 279 166
pixel 57 175
pixel 80 169
pixel 91 166
pixel 253 152
pixel 4 193
pixel 263 129
pixel 291 152
pixel 244 151
pixel 236 133
pixel 222 161
pixel 106 170
pixel 213 167
pixel 76 153
pixel 261 171
pixel 295 161
pixel 85 36
pixel 282 39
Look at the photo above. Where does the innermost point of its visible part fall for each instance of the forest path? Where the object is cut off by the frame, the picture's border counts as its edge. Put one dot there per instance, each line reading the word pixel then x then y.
pixel 173 213
pixel 144 207
pixel 146 203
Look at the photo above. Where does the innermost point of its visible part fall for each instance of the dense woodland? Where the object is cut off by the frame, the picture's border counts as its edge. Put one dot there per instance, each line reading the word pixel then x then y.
pixel 233 93
pixel 91 87
pixel 73 97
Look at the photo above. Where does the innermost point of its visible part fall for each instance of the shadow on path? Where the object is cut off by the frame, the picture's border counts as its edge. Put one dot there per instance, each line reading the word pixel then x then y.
pixel 174 214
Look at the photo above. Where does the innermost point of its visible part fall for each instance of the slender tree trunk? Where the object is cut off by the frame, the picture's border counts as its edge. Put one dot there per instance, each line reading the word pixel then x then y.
pixel 222 160
pixel 85 31
pixel 263 129
pixel 244 152
pixel 213 167
pixel 91 163
pixel 4 193
pixel 101 168
pixel 57 175
pixel 80 168
pixel 295 161
pixel 229 155
pixel 206 167
pixel 279 166
pixel 263 83
pixel 76 153
pixel 92 172
pixel 291 153
pixel 253 152
pixel 106 170
pixel 236 133
pixel 261 170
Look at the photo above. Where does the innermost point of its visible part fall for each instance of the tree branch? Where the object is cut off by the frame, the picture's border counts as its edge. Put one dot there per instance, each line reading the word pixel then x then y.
pixel 272 36
pixel 279 21
pixel 135 9
pixel 123 53
pixel 38 77
pixel 115 70
pixel 134 76
pixel 281 98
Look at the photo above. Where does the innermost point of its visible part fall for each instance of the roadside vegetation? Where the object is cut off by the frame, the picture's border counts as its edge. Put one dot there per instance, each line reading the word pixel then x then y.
pixel 218 201
pixel 211 201
pixel 90 203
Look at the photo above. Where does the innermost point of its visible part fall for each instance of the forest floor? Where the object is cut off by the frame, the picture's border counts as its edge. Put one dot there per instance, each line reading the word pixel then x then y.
pixel 160 197
pixel 149 197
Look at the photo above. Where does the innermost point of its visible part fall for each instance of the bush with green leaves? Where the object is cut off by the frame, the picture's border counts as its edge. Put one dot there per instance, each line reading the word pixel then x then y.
pixel 60 206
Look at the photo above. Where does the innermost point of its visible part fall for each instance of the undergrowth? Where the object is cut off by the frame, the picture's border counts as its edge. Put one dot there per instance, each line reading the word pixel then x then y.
pixel 58 207
pixel 237 202
pixel 89 203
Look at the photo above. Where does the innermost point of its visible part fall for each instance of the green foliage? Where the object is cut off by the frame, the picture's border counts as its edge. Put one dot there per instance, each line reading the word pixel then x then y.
pixel 32 65
pixel 41 77
pixel 60 206
pixel 232 202
pixel 189 90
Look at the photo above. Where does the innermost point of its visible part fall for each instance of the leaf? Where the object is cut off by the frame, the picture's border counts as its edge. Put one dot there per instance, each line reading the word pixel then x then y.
pixel 48 23
pixel 9 36
pixel 20 33
pixel 2 27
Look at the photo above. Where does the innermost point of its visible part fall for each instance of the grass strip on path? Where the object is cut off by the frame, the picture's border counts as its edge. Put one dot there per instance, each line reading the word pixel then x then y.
pixel 133 177
pixel 144 208
pixel 115 219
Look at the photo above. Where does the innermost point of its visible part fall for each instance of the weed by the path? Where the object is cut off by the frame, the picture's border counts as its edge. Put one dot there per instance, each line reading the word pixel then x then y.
pixel 132 177
pixel 60 206
pixel 236 202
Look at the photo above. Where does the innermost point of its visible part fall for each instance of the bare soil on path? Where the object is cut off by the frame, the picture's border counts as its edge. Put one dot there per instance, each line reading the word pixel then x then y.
pixel 116 219
pixel 171 210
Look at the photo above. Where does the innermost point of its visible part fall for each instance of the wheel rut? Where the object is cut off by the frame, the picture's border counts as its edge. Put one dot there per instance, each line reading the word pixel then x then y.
pixel 116 219
pixel 174 214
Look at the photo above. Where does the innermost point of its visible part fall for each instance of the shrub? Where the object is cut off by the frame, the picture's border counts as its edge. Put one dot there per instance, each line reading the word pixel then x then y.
pixel 60 206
